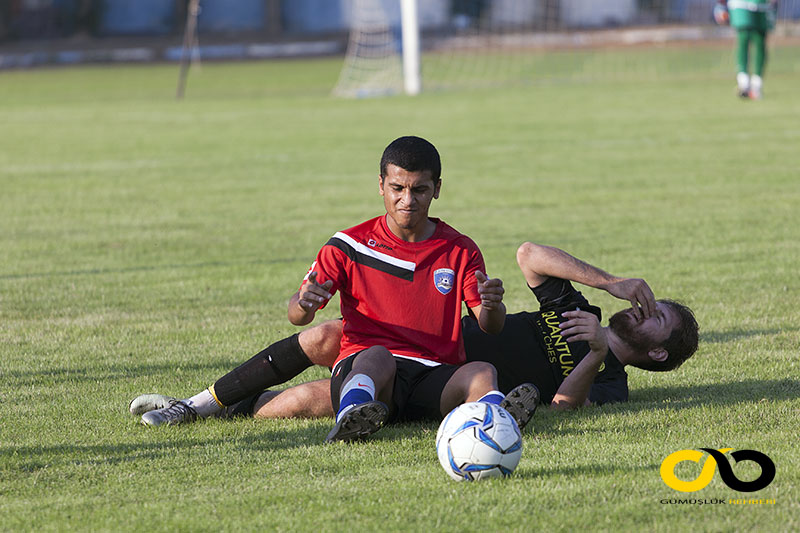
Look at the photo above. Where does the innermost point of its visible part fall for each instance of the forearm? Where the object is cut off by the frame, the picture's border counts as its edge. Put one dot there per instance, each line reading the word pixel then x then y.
pixel 539 262
pixel 298 315
pixel 492 321
pixel 574 390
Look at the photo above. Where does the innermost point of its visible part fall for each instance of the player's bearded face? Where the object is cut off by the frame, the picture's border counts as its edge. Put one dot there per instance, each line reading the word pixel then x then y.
pixel 630 331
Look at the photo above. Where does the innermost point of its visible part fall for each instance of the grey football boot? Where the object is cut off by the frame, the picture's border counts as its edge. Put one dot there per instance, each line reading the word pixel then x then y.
pixel 521 403
pixel 149 402
pixel 362 420
pixel 178 412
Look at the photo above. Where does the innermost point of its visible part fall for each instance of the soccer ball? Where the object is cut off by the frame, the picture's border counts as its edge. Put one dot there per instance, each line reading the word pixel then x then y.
pixel 478 440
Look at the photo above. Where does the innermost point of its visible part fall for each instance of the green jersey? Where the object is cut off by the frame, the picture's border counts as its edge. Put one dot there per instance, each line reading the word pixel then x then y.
pixel 752 14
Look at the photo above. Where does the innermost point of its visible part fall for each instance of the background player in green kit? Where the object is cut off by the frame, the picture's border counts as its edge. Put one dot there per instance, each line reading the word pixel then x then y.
pixel 751 19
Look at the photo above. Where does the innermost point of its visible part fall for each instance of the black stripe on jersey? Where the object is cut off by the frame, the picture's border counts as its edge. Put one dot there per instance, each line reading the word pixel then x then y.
pixel 369 261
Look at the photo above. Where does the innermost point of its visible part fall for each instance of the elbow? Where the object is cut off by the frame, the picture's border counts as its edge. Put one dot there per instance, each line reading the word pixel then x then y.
pixel 530 256
pixel 562 405
pixel 562 402
pixel 525 253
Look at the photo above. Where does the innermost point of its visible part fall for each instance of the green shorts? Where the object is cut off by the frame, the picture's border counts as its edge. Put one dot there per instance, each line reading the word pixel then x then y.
pixel 745 19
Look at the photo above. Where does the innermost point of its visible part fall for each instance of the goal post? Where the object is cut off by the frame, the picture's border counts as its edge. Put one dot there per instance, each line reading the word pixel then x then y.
pixel 409 16
pixel 189 46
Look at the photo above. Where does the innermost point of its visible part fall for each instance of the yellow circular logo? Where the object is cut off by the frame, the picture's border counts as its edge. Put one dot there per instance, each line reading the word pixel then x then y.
pixel 701 481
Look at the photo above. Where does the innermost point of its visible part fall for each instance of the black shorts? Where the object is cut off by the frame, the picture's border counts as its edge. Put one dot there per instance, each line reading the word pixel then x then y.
pixel 417 391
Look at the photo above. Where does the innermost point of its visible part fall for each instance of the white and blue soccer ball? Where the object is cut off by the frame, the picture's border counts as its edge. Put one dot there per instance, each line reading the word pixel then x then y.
pixel 478 440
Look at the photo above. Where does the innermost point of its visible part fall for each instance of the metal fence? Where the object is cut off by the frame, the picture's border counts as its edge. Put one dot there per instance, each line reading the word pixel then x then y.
pixel 22 20
pixel 34 32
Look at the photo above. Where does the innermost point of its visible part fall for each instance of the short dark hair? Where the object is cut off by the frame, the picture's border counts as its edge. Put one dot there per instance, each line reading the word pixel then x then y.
pixel 681 343
pixel 413 154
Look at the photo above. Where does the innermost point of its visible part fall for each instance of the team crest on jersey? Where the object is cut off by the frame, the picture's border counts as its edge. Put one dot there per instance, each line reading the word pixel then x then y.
pixel 443 279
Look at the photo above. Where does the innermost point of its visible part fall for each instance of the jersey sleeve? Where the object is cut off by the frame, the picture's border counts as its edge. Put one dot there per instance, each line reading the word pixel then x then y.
pixel 474 263
pixel 609 392
pixel 556 294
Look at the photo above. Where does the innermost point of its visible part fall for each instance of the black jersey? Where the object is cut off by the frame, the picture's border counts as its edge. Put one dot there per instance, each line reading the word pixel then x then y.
pixel 530 347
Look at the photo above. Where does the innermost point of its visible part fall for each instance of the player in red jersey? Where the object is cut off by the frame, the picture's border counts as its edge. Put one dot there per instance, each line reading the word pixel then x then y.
pixel 402 278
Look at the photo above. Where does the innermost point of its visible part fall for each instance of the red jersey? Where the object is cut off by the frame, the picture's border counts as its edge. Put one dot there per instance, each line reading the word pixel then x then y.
pixel 405 296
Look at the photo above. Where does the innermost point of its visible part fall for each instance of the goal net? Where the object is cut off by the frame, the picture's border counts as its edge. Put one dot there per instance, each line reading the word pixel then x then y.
pixel 478 43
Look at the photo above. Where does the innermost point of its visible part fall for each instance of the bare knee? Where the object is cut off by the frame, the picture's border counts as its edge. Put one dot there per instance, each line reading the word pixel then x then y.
pixel 321 343
pixel 481 372
pixel 530 257
pixel 379 365
pixel 468 384
pixel 308 400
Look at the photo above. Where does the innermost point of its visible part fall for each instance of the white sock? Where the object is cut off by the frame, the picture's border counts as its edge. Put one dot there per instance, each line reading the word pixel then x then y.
pixel 756 82
pixel 359 389
pixel 494 396
pixel 743 81
pixel 204 404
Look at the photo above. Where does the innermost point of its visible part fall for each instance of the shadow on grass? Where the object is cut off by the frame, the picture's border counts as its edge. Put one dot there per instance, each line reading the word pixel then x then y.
pixel 728 393
pixel 33 458
pixel 580 470
pixel 264 438
pixel 672 398
pixel 248 437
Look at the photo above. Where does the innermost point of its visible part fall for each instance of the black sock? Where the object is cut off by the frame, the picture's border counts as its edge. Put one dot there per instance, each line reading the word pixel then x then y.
pixel 275 364
pixel 242 408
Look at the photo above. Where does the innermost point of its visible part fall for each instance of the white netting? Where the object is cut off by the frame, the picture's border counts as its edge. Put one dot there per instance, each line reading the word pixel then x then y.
pixel 373 63
pixel 473 43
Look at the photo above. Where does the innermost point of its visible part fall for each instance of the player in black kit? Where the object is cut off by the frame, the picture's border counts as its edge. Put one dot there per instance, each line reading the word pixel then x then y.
pixel 561 348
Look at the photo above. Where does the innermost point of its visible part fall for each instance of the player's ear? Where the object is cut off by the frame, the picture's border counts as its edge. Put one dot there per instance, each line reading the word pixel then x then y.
pixel 380 184
pixel 658 354
pixel 437 188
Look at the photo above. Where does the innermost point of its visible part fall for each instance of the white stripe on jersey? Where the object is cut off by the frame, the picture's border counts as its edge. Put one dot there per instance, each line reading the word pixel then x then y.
pixel 310 270
pixel 366 250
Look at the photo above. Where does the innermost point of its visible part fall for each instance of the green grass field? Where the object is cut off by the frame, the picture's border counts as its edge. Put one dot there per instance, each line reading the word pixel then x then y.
pixel 149 245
